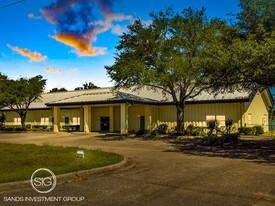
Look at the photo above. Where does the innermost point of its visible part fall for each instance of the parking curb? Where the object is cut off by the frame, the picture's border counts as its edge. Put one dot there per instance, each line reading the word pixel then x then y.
pixel 68 177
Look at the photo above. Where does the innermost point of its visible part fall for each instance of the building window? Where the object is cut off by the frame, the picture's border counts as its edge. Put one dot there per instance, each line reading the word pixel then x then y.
pixel 209 119
pixel 52 120
pixel 264 121
pixel 45 121
pixel 17 121
pixel 249 119
pixel 67 120
pixel 218 119
pixel 76 120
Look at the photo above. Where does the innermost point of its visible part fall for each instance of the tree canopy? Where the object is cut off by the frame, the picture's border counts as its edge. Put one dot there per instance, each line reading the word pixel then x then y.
pixel 167 55
pixel 86 85
pixel 58 90
pixel 244 56
pixel 19 94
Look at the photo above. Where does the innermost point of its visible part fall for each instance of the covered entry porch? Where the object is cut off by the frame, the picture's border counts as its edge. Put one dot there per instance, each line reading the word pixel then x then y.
pixel 96 117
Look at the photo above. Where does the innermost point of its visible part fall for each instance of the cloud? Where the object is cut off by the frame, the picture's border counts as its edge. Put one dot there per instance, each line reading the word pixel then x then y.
pixel 34 56
pixel 72 71
pixel 81 42
pixel 108 23
pixel 31 16
pixel 80 21
pixel 50 70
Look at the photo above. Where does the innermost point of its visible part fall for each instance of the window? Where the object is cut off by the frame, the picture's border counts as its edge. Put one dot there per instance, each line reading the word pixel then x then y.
pixel 45 121
pixel 17 121
pixel 249 119
pixel 76 120
pixel 264 122
pixel 210 118
pixel 67 120
pixel 219 119
pixel 52 120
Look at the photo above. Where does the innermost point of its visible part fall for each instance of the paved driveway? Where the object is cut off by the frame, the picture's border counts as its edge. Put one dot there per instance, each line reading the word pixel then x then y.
pixel 165 174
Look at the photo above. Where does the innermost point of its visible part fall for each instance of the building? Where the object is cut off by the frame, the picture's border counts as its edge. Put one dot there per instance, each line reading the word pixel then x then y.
pixel 126 110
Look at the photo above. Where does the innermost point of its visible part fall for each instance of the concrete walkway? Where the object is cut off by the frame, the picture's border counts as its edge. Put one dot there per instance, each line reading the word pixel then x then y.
pixel 162 176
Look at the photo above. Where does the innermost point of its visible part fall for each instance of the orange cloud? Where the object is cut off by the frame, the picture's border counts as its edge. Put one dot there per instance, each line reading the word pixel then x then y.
pixel 81 42
pixel 31 16
pixel 72 71
pixel 34 56
pixel 50 70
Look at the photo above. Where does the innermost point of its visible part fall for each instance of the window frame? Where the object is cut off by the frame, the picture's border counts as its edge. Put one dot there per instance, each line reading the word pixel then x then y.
pixel 45 123
pixel 215 115
pixel 78 120
pixel 17 122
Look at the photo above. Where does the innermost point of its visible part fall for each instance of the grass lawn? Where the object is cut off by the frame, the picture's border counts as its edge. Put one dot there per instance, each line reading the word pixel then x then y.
pixel 18 162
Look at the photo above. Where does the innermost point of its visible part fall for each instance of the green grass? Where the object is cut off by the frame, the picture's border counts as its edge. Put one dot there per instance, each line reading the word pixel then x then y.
pixel 18 162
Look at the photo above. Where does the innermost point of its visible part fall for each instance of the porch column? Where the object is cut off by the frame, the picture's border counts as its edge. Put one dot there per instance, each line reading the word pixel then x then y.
pixel 148 117
pixel 56 116
pixel 111 115
pixel 123 119
pixel 81 119
pixel 87 118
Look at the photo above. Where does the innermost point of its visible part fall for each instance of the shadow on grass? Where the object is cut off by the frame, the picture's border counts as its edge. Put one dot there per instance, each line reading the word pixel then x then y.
pixel 259 151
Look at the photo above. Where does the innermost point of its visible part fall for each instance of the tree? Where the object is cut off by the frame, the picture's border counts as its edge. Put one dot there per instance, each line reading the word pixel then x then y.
pixel 19 94
pixel 58 90
pixel 245 54
pixel 86 86
pixel 166 55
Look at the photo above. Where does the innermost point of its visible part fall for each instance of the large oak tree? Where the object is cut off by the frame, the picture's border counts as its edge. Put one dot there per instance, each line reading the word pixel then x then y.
pixel 167 55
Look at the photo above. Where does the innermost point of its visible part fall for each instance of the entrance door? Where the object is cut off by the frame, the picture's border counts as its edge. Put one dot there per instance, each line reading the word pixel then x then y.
pixel 104 123
pixel 142 122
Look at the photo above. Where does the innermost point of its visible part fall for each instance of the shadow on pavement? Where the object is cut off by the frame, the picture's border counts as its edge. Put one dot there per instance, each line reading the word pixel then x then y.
pixel 259 151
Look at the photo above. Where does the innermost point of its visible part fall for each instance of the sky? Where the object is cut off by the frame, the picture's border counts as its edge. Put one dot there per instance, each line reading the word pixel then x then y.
pixel 69 42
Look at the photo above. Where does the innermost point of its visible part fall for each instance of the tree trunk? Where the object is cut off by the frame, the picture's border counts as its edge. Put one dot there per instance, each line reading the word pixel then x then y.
pixel 180 118
pixel 23 120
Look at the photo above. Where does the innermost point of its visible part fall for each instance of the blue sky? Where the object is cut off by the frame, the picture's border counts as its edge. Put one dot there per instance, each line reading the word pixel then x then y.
pixel 75 39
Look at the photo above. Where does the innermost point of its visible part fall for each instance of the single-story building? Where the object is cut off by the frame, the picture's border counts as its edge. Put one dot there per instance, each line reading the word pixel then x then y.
pixel 123 110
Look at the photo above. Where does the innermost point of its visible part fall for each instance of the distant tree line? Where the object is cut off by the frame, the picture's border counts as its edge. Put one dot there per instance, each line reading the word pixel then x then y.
pixel 85 86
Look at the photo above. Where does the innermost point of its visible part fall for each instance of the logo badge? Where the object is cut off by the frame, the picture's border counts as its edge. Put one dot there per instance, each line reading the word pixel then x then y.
pixel 43 180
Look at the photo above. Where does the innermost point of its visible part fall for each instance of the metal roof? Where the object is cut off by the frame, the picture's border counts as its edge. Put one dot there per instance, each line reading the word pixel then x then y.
pixel 143 95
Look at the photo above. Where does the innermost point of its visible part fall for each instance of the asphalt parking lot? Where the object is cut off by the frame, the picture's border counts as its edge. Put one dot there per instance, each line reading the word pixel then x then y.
pixel 166 173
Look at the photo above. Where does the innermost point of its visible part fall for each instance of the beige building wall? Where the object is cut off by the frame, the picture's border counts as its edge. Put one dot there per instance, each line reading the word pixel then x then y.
pixel 196 113
pixel 256 112
pixel 155 115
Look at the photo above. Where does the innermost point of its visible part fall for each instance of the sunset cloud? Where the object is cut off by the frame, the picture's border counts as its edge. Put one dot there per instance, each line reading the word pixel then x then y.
pixel 72 71
pixel 50 70
pixel 34 56
pixel 82 43
pixel 31 16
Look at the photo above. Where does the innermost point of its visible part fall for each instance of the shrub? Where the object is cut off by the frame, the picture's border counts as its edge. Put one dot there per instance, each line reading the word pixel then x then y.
pixel 28 127
pixel 228 125
pixel 246 130
pixel 65 127
pixel 142 132
pixel 258 130
pixel 162 129
pixel 211 140
pixel 189 129
pixel 155 132
pixel 49 129
pixel 211 125
pixel 231 137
